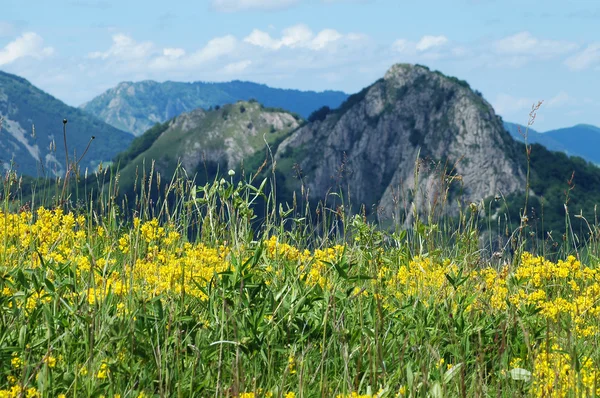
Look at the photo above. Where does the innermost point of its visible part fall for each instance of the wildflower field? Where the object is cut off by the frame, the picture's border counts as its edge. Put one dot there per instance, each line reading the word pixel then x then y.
pixel 194 300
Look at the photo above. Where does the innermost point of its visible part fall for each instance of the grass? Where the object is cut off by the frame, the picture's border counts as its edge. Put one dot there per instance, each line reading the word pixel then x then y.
pixel 191 296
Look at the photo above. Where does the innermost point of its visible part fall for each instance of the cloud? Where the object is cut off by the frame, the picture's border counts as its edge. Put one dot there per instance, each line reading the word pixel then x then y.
pixel 402 45
pixel 245 5
pixel 584 59
pixel 124 47
pixel 215 48
pixel 424 44
pixel 237 67
pixel 173 53
pixel 127 54
pixel 29 44
pixel 279 57
pixel 297 36
pixel 262 39
pixel 525 44
pixel 428 42
pixel 428 48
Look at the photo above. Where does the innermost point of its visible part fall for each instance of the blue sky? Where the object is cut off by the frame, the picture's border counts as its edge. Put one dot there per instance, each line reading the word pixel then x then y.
pixel 514 52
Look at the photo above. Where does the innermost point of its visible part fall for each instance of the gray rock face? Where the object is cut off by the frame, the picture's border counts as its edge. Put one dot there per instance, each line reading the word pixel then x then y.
pixel 412 117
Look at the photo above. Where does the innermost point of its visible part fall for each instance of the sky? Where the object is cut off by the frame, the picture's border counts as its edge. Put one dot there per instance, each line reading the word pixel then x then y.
pixel 515 53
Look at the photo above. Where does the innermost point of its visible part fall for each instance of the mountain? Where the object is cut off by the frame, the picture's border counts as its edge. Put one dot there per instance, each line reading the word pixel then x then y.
pixel 580 140
pixel 518 131
pixel 206 142
pixel 32 131
pixel 136 107
pixel 368 149
pixel 369 145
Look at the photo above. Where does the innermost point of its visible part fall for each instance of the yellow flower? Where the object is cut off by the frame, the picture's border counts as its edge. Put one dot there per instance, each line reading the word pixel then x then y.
pixel 16 361
pixel 50 361
pixel 32 392
pixel 401 391
pixel 103 371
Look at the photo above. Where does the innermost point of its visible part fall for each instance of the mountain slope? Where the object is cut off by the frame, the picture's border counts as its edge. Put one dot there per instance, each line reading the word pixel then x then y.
pixel 370 145
pixel 136 107
pixel 580 140
pixel 25 109
pixel 517 131
pixel 205 142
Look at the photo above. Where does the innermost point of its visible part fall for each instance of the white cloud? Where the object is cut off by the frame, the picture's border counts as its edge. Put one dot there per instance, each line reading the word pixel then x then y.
pixel 237 67
pixel 126 54
pixel 584 59
pixel 282 57
pixel 124 47
pixel 173 52
pixel 401 45
pixel 325 37
pixel 215 48
pixel 524 43
pixel 427 49
pixel 244 5
pixel 29 44
pixel 428 42
pixel 262 39
pixel 297 36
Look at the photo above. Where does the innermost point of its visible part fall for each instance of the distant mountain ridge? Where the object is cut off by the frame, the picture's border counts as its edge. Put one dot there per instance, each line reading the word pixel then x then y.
pixel 136 107
pixel 580 140
pixel 32 131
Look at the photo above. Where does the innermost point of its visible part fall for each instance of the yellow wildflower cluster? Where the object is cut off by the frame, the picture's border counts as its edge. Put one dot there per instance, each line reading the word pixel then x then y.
pixel 164 270
pixel 565 288
pixel 165 263
pixel 18 392
pixel 423 278
pixel 555 376
pixel 494 291
pixel 267 394
pixel 55 236
pixel 357 395
pixel 314 266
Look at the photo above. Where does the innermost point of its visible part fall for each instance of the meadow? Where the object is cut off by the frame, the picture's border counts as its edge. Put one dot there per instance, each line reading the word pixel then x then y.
pixel 191 296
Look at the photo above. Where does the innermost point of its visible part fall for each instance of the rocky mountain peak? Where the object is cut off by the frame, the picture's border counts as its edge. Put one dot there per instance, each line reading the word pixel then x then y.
pixel 371 144
pixel 402 74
